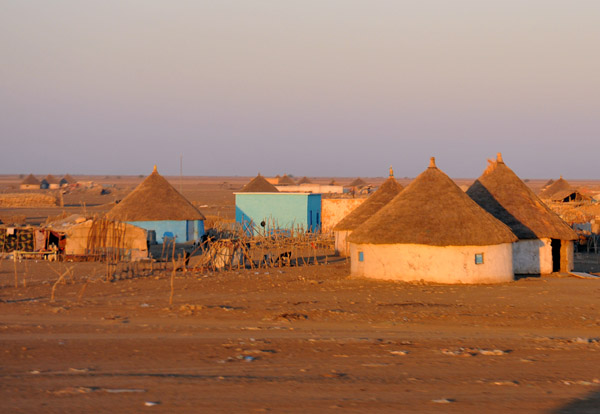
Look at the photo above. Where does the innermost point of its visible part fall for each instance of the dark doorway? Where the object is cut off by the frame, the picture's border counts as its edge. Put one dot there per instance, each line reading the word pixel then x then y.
pixel 555 255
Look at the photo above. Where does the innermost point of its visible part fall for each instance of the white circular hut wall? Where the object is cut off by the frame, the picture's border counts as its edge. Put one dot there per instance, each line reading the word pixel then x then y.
pixel 448 264
pixel 533 256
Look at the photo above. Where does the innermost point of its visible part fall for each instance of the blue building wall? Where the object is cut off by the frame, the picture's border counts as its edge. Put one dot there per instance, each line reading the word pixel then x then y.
pixel 278 210
pixel 314 212
pixel 184 230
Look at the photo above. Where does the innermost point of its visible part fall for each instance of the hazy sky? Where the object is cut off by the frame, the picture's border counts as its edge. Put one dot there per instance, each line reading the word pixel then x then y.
pixel 317 88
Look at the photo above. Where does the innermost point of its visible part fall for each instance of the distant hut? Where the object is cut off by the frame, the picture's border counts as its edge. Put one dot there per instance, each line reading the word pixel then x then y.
pixel 358 183
pixel 333 182
pixel 304 180
pixel 155 205
pixel 562 192
pixel 67 180
pixel 384 194
pixel 286 180
pixel 30 183
pixel 261 208
pixel 433 231
pixel 50 182
pixel 548 184
pixel 560 185
pixel 259 185
pixel 545 242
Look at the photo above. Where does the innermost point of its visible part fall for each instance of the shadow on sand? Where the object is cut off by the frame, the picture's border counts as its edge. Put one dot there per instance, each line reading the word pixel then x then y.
pixel 590 404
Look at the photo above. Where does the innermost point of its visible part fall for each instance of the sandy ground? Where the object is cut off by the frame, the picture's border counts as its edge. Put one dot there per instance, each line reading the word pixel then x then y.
pixel 297 340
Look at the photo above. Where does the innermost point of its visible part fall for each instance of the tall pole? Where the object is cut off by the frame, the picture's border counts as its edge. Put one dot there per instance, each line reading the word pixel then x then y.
pixel 181 173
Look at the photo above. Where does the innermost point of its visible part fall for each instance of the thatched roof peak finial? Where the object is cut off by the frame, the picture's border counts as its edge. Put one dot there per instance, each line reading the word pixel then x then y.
pixel 499 158
pixel 155 170
pixel 391 171
pixel 432 163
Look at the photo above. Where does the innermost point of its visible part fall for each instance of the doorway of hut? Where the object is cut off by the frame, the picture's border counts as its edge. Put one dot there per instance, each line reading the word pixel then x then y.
pixel 555 243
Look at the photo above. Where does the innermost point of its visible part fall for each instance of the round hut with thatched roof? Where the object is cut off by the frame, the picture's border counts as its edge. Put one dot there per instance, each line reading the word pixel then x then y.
pixel 561 191
pixel 304 180
pixel 67 180
pixel 155 205
pixel 384 194
pixel 433 231
pixel 286 180
pixel 50 182
pixel 545 242
pixel 30 183
pixel 259 184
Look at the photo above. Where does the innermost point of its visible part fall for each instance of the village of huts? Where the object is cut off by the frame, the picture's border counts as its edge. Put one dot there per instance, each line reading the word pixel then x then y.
pixel 492 231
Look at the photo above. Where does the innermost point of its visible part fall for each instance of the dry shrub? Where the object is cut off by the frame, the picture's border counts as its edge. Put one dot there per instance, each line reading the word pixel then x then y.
pixel 27 200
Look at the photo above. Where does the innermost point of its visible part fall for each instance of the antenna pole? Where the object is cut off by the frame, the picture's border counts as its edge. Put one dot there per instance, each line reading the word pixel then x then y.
pixel 181 173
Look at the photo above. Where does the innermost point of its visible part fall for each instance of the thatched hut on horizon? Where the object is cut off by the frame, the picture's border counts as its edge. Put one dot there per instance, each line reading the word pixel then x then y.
pixel 30 183
pixel 50 182
pixel 286 180
pixel 562 191
pixel 259 184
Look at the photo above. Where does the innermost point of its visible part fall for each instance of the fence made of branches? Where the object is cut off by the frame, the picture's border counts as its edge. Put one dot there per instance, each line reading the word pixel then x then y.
pixel 262 246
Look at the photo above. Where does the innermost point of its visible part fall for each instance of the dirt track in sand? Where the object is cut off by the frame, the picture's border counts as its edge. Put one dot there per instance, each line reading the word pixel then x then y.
pixel 296 340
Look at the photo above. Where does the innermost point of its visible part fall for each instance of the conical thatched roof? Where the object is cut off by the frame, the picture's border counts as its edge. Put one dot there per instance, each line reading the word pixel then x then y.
pixel 561 185
pixel 68 179
pixel 30 180
pixel 359 182
pixel 286 180
pixel 154 200
pixel 502 193
pixel 548 183
pixel 259 185
pixel 50 179
pixel 432 210
pixel 304 180
pixel 384 194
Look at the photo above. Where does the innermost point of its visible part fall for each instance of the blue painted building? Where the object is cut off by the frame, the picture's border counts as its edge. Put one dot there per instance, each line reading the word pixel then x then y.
pixel 278 211
pixel 155 205
pixel 260 208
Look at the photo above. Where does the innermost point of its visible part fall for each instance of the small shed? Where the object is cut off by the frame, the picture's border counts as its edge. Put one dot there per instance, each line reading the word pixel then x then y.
pixel 433 231
pixel 106 237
